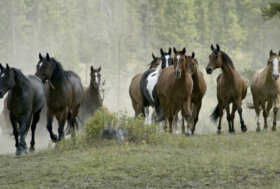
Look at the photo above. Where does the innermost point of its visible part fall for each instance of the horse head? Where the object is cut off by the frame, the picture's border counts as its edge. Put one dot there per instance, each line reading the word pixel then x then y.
pixel 166 59
pixel 155 62
pixel 215 59
pixel 95 77
pixel 273 64
pixel 179 62
pixel 7 80
pixel 44 68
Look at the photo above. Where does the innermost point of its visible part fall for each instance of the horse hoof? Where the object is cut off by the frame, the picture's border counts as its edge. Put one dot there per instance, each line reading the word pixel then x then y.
pixel 31 149
pixel 187 134
pixel 19 151
pixel 244 129
pixel 273 128
pixel 54 139
pixel 231 131
pixel 258 129
pixel 219 132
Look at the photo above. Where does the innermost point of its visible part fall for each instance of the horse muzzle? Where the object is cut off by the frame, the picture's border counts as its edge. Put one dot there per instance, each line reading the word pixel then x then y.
pixel 209 70
pixel 275 76
pixel 177 74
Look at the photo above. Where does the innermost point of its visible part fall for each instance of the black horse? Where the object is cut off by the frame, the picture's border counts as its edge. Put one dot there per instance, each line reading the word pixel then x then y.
pixel 64 94
pixel 149 81
pixel 25 100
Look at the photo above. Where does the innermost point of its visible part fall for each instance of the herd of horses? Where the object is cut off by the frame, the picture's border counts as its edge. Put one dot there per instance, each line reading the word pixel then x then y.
pixel 57 92
pixel 174 84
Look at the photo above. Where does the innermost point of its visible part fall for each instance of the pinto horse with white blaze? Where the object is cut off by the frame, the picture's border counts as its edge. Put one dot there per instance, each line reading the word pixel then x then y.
pixel 134 87
pixel 231 88
pixel 149 81
pixel 265 89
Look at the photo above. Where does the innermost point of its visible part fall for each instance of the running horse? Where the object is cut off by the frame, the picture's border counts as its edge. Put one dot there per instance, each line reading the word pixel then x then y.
pixel 26 97
pixel 64 94
pixel 134 87
pixel 174 88
pixel 265 88
pixel 148 82
pixel 231 88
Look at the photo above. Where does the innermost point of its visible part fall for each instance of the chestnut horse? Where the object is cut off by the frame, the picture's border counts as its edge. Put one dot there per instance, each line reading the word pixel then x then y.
pixel 92 99
pixel 134 87
pixel 64 94
pixel 231 88
pixel 174 88
pixel 265 88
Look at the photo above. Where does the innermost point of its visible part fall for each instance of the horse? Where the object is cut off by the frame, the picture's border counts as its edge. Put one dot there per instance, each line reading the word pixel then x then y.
pixel 92 99
pixel 148 82
pixel 265 88
pixel 64 94
pixel 231 88
pixel 199 89
pixel 25 100
pixel 174 88
pixel 134 87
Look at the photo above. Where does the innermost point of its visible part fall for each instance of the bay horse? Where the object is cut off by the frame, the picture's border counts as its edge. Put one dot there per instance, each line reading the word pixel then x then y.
pixel 134 87
pixel 265 88
pixel 64 94
pixel 148 82
pixel 92 99
pixel 26 97
pixel 199 89
pixel 231 88
pixel 174 88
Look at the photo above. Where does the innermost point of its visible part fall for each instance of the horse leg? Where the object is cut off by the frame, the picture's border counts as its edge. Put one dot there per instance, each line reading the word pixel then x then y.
pixel 36 118
pixel 233 110
pixel 24 123
pixel 183 122
pixel 264 105
pixel 187 114
pixel 170 119
pixel 239 110
pixel 73 117
pixel 196 110
pixel 220 107
pixel 230 129
pixel 49 126
pixel 147 112
pixel 275 110
pixel 257 110
pixel 268 108
pixel 15 132
pixel 62 121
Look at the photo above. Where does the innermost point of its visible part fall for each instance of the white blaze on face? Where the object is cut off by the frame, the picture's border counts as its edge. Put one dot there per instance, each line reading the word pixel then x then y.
pixel 96 78
pixel 275 66
pixel 40 64
pixel 178 59
pixel 3 75
pixel 166 59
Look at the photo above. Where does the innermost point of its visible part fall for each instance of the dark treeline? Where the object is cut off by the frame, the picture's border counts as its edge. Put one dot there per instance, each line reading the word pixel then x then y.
pixel 120 35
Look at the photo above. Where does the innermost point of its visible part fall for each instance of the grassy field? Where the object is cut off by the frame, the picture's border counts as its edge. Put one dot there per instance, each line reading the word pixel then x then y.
pixel 250 160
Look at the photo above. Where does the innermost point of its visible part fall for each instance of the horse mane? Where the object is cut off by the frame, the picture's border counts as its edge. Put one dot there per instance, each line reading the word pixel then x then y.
pixel 227 59
pixel 19 76
pixel 58 72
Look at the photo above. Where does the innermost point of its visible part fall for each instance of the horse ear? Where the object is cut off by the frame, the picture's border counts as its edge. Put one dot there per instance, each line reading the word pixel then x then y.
pixel 40 57
pixel 91 69
pixel 184 50
pixel 218 47
pixel 1 67
pixel 161 52
pixel 169 51
pixel 193 55
pixel 174 50
pixel 48 56
pixel 212 48
pixel 99 69
pixel 7 67
pixel 154 57
pixel 271 52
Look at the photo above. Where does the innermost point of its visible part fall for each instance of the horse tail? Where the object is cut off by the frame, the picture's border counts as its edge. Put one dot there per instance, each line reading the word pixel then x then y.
pixel 215 114
pixel 250 105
